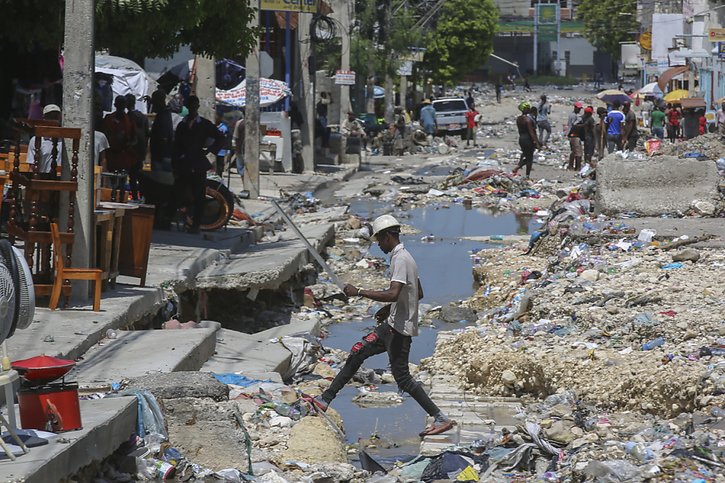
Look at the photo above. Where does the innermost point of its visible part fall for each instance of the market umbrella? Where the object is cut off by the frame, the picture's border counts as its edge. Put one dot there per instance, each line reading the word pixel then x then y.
pixel 270 92
pixel 651 89
pixel 676 95
pixel 610 96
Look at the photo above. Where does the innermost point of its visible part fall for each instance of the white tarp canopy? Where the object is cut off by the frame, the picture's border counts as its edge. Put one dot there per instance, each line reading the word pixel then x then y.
pixel 128 77
pixel 270 91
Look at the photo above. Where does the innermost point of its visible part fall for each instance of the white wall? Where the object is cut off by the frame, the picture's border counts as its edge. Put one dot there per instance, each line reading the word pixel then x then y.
pixel 581 51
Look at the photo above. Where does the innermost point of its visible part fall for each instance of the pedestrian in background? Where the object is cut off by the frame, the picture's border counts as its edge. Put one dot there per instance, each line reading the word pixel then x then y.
pixel 589 134
pixel 657 123
pixel 121 134
pixel 542 120
pixel 141 128
pixel 221 155
pixel 528 141
pixel 428 117
pixel 600 131
pixel 397 325
pixel 575 136
pixel 673 122
pixel 471 119
pixel 195 138
pixel 614 122
pixel 721 119
pixel 499 90
pixel 630 133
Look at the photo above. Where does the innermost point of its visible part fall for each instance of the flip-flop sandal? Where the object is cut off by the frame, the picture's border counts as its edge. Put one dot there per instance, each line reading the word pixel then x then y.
pixel 438 428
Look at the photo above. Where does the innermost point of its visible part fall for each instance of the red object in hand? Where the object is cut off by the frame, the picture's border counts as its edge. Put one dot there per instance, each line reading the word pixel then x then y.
pixel 43 368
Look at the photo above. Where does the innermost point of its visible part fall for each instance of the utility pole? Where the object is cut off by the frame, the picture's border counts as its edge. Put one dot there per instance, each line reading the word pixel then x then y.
pixel 251 117
pixel 79 66
pixel 345 20
pixel 536 38
pixel 307 91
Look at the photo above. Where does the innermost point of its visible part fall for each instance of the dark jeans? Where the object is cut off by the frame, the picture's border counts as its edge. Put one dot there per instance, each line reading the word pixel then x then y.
pixel 383 339
pixel 613 141
pixel 193 183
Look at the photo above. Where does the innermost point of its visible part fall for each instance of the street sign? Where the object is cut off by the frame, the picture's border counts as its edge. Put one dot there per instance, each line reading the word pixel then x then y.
pixel 406 68
pixel 721 50
pixel 304 6
pixel 345 77
pixel 645 40
pixel 716 35
pixel 547 13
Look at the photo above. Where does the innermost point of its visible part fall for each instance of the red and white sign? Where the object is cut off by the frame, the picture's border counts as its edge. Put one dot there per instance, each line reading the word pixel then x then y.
pixel 345 77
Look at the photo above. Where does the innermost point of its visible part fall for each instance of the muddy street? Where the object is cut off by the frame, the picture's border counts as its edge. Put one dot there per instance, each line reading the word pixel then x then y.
pixel 567 339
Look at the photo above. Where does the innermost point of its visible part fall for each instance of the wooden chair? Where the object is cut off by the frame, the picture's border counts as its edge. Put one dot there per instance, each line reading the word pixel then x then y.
pixel 62 273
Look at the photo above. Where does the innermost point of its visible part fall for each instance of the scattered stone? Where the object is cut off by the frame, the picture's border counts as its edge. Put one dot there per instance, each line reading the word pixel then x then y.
pixel 590 275
pixel 686 255
pixel 453 313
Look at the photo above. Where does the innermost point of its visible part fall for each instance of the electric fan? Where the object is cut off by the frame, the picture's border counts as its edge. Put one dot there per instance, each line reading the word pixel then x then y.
pixel 17 297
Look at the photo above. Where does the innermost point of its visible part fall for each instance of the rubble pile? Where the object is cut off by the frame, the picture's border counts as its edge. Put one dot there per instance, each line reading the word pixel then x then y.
pixel 707 146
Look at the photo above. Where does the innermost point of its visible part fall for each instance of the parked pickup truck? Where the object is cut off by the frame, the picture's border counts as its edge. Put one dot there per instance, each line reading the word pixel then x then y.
pixel 451 115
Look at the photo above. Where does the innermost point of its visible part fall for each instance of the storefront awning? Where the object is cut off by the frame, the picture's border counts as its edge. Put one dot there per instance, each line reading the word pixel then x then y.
pixel 669 74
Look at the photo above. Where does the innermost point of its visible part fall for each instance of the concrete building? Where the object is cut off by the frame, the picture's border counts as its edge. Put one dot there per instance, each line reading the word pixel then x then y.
pixel 514 41
pixel 678 30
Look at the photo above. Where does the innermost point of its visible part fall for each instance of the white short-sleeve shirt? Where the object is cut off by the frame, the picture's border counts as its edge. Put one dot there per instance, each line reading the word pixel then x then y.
pixel 404 311
pixel 46 153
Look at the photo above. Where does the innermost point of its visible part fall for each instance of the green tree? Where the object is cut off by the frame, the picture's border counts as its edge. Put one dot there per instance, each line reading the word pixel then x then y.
pixel 462 39
pixel 136 28
pixel 608 22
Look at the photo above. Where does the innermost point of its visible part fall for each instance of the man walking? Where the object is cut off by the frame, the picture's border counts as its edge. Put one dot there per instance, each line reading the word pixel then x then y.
pixel 542 120
pixel 397 325
pixel 191 147
pixel 614 121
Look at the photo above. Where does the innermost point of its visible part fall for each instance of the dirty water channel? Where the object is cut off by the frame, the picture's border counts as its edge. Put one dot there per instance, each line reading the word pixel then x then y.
pixel 444 263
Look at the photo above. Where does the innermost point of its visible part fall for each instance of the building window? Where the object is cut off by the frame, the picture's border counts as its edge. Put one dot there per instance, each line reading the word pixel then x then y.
pixel 562 3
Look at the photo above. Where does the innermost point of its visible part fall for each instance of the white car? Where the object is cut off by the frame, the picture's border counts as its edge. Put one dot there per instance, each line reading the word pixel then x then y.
pixel 451 115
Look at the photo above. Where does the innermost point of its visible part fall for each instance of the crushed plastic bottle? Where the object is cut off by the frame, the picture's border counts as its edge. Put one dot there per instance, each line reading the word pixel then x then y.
pixel 648 346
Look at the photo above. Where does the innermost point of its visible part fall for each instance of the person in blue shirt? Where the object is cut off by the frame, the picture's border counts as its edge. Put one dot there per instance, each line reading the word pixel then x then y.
pixel 428 117
pixel 613 122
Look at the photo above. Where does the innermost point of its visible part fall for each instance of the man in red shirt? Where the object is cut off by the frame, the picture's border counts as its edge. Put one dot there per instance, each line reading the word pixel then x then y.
pixel 471 124
pixel 673 122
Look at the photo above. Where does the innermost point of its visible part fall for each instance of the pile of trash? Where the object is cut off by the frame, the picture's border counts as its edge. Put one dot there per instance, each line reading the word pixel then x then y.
pixel 707 146
pixel 615 347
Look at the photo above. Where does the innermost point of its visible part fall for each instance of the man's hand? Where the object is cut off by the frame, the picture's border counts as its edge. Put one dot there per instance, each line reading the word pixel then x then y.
pixel 382 314
pixel 350 290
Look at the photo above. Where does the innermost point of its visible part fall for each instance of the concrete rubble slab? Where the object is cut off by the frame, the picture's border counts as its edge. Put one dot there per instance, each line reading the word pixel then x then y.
pixel 256 355
pixel 266 266
pixel 107 423
pixel 662 184
pixel 136 353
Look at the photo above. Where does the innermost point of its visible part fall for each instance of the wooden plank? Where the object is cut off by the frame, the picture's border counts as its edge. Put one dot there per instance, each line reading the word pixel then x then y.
pixel 58 132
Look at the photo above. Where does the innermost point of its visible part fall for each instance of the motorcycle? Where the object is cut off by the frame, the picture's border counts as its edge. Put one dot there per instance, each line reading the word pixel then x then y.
pixel 158 188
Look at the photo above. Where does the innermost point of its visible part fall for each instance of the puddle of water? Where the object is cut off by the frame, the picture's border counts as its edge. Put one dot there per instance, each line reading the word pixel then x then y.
pixel 445 272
